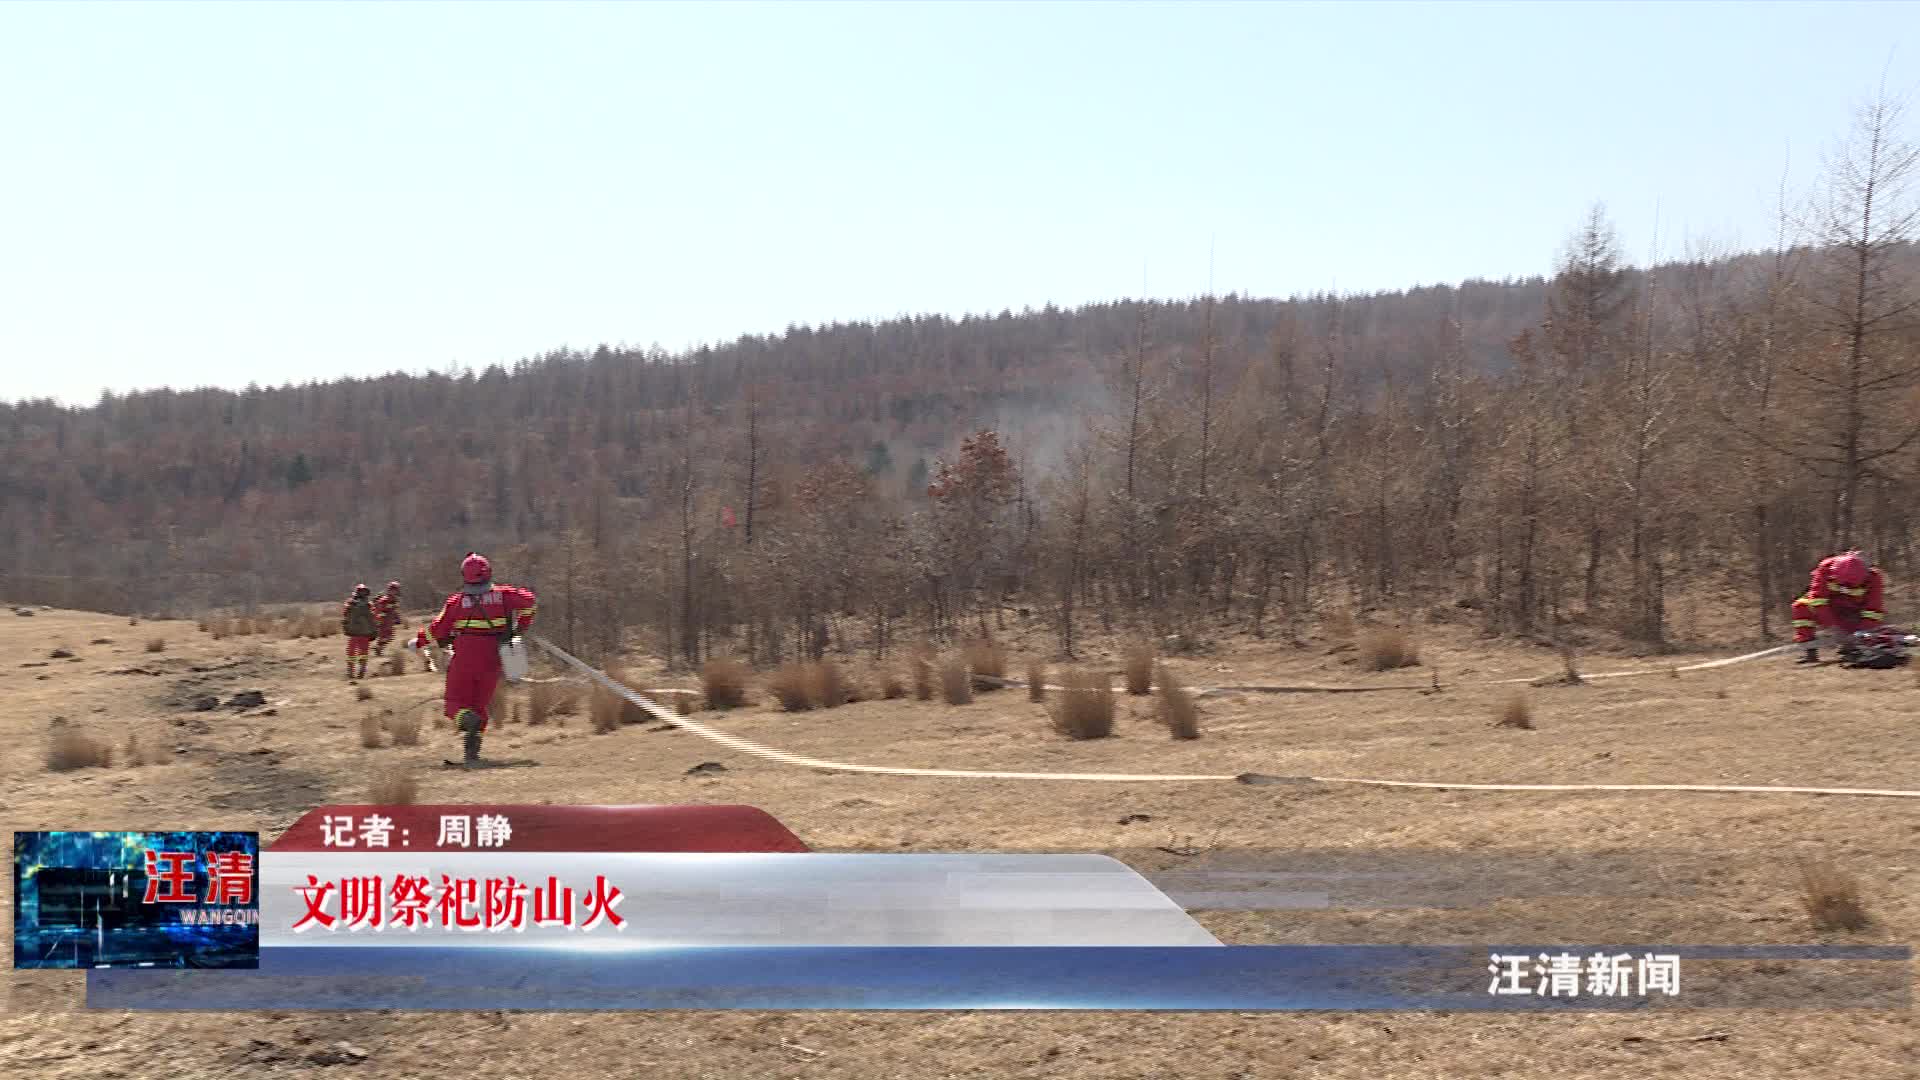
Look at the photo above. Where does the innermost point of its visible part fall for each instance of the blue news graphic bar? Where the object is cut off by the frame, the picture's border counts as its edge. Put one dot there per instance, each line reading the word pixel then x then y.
pixel 1247 978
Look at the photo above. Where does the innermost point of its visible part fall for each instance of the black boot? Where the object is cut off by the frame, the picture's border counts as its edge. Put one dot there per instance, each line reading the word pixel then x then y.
pixel 470 726
pixel 1812 656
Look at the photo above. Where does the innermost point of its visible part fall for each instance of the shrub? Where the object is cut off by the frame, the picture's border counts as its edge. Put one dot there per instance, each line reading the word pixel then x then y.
pixel 827 685
pixel 1515 712
pixel 392 787
pixel 1338 623
pixel 157 645
pixel 369 731
pixel 361 693
pixel 70 748
pixel 133 620
pixel 1083 708
pixel 1387 648
pixel 790 686
pixel 922 677
pixel 1137 668
pixel 404 729
pixel 1176 706
pixel 1036 680
pixel 724 682
pixel 395 665
pixel 891 686
pixel 540 702
pixel 607 709
pixel 1831 897
pixel 986 657
pixel 956 685
pixel 135 753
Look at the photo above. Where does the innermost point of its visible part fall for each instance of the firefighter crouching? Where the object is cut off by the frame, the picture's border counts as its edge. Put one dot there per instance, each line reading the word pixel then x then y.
pixel 1845 595
pixel 477 621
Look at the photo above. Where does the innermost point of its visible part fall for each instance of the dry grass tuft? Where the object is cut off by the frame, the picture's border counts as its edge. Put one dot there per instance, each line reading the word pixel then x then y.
pixel 70 748
pixel 1831 897
pixel 404 729
pixel 724 682
pixel 369 731
pixel 394 665
pixel 892 688
pixel 827 685
pixel 922 676
pixel 157 645
pixel 608 710
pixel 133 620
pixel 791 686
pixel 1514 712
pixel 956 686
pixel 296 627
pixel 1036 680
pixel 986 657
pixel 1083 709
pixel 1387 648
pixel 540 702
pixel 392 787
pixel 361 693
pixel 135 753
pixel 1177 708
pixel 245 627
pixel 566 700
pixel 1338 623
pixel 1136 666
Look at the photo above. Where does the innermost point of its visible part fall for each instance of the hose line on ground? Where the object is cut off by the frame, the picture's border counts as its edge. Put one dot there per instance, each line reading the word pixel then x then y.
pixel 748 746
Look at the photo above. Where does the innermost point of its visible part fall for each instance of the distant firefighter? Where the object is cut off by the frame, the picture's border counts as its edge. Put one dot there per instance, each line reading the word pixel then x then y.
pixel 478 620
pixel 386 616
pixel 1845 595
pixel 357 622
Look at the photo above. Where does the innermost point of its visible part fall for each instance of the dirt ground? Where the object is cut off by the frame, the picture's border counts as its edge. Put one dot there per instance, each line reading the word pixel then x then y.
pixel 1700 868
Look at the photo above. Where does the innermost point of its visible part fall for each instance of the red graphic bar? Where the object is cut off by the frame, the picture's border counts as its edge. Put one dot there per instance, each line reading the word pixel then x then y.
pixel 538 827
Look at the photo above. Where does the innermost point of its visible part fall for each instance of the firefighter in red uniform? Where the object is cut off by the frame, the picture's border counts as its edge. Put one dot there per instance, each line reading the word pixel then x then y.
pixel 356 621
pixel 1846 595
pixel 478 620
pixel 386 616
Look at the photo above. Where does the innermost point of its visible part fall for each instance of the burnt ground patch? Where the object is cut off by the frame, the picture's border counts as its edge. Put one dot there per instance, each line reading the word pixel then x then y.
pixel 259 782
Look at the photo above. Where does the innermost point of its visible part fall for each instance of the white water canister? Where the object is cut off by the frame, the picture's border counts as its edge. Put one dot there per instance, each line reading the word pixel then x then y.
pixel 513 660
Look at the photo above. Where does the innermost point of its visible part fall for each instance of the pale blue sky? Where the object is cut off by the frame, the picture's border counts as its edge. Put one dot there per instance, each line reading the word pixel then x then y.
pixel 212 194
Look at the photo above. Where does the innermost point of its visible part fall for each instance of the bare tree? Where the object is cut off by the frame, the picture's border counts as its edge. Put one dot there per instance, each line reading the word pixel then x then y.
pixel 1863 301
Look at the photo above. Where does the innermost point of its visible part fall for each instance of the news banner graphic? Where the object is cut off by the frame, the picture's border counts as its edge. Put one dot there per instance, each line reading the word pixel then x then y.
pixel 136 899
pixel 704 907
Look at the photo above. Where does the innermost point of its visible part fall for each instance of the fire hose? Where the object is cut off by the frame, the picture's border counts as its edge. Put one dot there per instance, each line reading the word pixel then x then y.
pixel 769 753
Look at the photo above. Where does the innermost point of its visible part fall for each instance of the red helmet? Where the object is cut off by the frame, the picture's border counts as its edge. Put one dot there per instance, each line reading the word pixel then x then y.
pixel 475 569
pixel 361 590
pixel 1849 569
pixel 393 587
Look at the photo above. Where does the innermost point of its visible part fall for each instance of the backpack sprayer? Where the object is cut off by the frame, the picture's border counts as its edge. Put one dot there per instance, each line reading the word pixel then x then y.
pixel 1885 647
